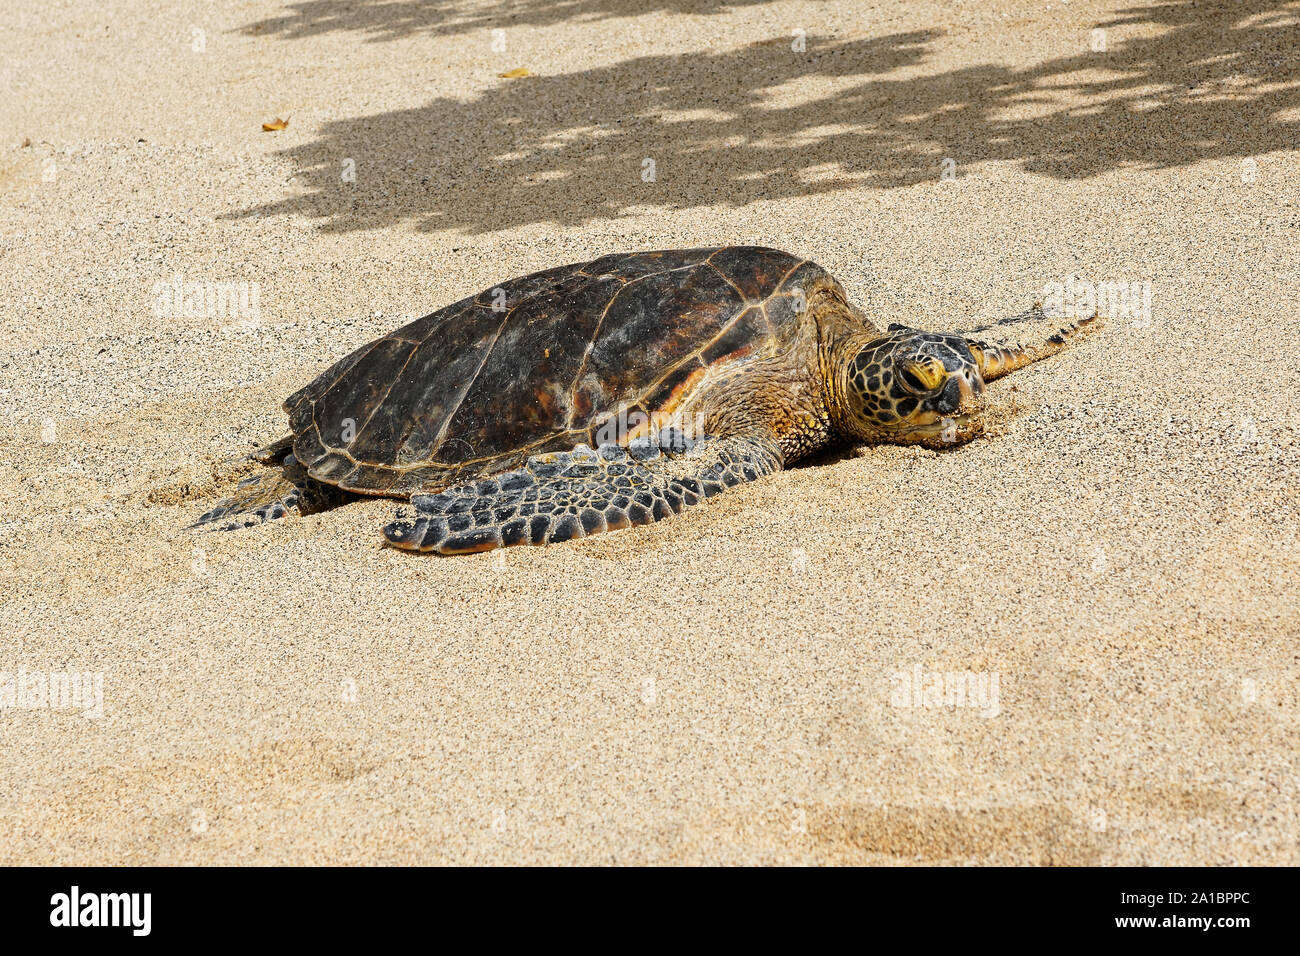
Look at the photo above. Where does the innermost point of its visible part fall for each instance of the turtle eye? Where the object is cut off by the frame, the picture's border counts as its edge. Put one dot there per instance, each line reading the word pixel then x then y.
pixel 925 375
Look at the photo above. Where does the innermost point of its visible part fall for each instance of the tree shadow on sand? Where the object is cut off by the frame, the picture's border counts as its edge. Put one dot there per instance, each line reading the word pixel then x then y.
pixel 394 19
pixel 736 127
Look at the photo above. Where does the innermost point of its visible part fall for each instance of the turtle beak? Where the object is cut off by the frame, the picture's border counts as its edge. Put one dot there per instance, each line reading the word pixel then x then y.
pixel 955 417
pixel 964 392
pixel 970 401
pixel 972 390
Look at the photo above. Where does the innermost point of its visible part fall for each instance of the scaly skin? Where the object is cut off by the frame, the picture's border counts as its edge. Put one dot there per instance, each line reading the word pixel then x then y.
pixel 789 397
pixel 568 495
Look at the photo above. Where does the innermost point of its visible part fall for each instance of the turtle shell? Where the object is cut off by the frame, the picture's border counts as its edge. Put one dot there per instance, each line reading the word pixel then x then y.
pixel 542 363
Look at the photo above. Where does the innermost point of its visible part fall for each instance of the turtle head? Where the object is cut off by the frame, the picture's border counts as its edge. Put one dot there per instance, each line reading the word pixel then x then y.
pixel 909 387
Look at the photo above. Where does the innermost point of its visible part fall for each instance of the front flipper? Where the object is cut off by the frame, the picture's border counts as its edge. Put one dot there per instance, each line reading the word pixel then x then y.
pixel 1013 343
pixel 584 492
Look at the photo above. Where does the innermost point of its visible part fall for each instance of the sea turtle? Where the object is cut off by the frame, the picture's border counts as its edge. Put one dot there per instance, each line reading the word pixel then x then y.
pixel 616 392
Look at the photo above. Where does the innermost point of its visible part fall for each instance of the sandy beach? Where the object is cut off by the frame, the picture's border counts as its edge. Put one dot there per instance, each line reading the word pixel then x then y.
pixel 1113 565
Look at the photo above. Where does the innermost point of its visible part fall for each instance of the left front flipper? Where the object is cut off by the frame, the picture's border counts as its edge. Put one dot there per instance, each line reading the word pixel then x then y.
pixel 1009 344
pixel 574 494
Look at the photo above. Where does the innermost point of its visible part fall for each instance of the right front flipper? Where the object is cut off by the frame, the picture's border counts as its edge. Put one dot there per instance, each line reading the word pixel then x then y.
pixel 584 492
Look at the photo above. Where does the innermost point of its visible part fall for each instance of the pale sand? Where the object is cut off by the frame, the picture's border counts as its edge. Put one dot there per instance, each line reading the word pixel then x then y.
pixel 1121 550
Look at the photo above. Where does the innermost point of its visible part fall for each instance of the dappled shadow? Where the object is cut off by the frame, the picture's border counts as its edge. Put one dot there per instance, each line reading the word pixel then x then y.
pixel 766 122
pixel 393 19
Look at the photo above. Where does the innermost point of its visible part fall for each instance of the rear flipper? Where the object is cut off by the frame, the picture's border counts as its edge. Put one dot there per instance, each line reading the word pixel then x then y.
pixel 271 494
pixel 257 499
pixel 584 492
